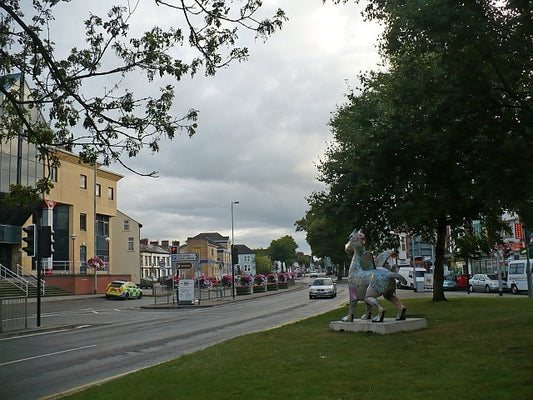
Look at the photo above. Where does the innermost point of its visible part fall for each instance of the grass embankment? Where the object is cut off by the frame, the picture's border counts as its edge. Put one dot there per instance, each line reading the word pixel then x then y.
pixel 473 348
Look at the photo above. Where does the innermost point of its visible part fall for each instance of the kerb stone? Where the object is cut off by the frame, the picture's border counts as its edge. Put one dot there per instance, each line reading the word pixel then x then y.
pixel 389 325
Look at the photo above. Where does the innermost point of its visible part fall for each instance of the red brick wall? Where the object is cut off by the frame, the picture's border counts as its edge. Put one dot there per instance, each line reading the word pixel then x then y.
pixel 82 284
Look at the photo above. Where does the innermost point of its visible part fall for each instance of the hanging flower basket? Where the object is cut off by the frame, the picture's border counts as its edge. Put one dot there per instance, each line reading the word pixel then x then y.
pixel 205 282
pixel 272 282
pixel 260 288
pixel 242 290
pixel 96 263
pixel 245 281
pixel 227 280
pixel 245 284
pixel 260 282
pixel 283 280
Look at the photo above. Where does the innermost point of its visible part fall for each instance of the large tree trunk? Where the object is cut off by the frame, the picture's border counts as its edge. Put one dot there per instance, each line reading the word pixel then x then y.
pixel 438 272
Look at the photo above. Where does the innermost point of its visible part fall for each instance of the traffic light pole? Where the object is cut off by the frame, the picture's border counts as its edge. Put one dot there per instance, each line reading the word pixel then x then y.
pixel 528 263
pixel 37 260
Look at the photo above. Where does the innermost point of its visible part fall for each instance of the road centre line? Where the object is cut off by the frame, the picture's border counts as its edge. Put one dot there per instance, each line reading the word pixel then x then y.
pixel 47 355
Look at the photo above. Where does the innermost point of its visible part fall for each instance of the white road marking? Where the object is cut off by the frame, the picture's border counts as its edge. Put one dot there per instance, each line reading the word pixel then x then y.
pixel 47 355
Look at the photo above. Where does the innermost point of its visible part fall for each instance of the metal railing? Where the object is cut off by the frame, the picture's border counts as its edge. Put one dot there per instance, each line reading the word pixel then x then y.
pixel 13 313
pixel 20 279
pixel 14 279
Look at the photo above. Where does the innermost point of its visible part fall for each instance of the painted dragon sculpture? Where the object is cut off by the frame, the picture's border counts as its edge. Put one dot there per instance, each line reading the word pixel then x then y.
pixel 367 282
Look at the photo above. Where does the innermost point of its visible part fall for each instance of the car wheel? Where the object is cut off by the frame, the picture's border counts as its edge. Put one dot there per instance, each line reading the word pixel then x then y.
pixel 107 296
pixel 487 289
pixel 140 296
pixel 514 289
pixel 127 296
pixel 472 288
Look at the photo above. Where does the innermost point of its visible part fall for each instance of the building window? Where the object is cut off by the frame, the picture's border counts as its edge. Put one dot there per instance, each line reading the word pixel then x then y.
pixel 126 225
pixel 83 181
pixel 98 191
pixel 53 174
pixel 83 222
pixel 110 193
pixel 130 244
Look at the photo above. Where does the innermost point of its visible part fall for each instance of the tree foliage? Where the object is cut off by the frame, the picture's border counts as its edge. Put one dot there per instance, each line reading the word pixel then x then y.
pixel 263 264
pixel 116 123
pixel 283 249
pixel 436 140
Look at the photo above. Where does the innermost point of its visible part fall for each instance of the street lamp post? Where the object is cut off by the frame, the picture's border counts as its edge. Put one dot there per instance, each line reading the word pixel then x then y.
pixel 73 237
pixel 107 239
pixel 231 258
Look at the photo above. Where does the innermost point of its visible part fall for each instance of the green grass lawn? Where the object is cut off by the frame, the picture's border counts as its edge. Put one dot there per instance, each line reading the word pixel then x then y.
pixel 473 348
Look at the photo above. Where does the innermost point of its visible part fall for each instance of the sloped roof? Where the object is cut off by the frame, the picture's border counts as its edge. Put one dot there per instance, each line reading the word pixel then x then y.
pixel 152 248
pixel 212 236
pixel 9 80
pixel 243 249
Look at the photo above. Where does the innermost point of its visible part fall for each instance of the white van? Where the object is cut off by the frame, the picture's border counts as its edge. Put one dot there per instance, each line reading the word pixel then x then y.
pixel 516 275
pixel 407 273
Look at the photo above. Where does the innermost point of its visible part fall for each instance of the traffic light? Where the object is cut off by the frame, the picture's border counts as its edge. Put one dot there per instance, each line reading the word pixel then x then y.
pixel 46 241
pixel 31 240
pixel 506 252
pixel 173 250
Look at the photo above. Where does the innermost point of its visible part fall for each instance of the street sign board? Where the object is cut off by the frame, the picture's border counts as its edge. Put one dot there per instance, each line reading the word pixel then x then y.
pixel 186 291
pixel 185 261
pixel 184 257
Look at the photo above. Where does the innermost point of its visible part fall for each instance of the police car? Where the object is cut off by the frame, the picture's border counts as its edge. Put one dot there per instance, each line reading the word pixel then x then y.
pixel 123 290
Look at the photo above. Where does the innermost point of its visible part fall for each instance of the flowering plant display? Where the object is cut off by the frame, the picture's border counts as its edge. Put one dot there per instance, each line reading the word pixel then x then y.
pixel 246 280
pixel 283 277
pixel 272 278
pixel 96 263
pixel 214 281
pixel 227 280
pixel 260 279
pixel 205 282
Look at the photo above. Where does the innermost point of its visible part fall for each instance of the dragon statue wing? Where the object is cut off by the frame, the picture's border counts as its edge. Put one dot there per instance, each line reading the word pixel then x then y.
pixel 382 258
pixel 367 261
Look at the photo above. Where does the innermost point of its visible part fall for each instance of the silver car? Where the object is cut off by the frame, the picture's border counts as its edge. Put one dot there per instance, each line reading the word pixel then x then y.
pixel 322 287
pixel 485 283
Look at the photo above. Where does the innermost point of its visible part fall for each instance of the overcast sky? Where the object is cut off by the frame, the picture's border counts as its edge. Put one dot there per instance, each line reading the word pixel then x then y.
pixel 262 129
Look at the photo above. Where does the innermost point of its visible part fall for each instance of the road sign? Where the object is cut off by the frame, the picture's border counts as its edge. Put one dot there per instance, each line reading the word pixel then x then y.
pixel 184 257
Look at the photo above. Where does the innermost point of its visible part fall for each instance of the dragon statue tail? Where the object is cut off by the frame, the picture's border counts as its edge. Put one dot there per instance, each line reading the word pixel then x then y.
pixel 400 278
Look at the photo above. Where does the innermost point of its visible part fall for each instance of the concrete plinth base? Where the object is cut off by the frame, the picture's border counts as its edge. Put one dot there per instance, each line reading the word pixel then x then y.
pixel 389 325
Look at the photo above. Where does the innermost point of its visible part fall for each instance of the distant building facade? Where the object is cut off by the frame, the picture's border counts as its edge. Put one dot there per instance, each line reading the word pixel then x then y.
pixel 245 259
pixel 214 251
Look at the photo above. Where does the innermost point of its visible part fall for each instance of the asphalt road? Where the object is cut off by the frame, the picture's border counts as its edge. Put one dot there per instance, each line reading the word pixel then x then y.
pixel 100 339
pixel 95 339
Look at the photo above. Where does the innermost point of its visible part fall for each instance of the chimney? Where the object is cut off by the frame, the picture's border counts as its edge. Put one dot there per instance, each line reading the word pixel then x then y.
pixel 144 241
pixel 164 243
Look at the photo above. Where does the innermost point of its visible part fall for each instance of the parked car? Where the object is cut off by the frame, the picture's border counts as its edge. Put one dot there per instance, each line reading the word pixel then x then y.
pixel 449 282
pixel 148 282
pixel 486 283
pixel 170 281
pixel 322 287
pixel 123 290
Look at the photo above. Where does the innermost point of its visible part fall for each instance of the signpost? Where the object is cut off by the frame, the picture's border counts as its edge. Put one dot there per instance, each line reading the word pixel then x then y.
pixel 186 291
pixel 185 261
pixel 186 286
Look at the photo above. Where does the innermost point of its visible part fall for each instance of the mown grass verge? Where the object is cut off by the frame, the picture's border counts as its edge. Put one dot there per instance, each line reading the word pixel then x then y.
pixel 473 348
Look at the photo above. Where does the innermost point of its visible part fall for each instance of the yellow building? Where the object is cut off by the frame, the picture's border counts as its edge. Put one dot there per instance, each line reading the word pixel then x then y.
pixel 214 250
pixel 80 208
